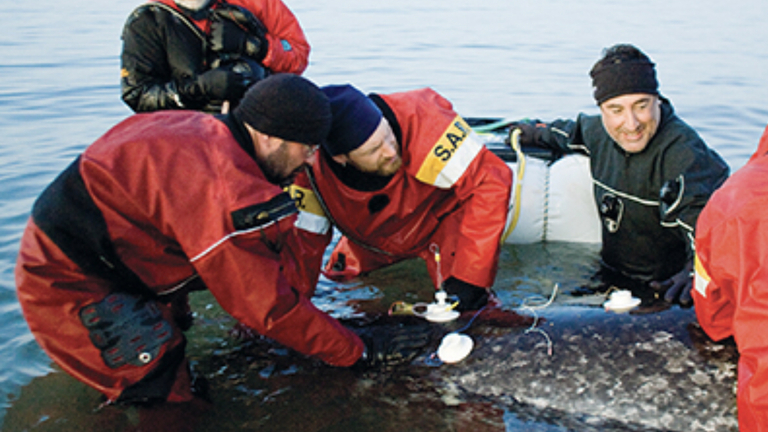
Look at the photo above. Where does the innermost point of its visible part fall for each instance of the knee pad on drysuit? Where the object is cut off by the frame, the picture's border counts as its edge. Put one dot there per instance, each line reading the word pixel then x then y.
pixel 130 331
pixel 126 329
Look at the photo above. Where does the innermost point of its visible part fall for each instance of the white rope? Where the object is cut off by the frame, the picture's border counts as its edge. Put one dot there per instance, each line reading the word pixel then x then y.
pixel 533 309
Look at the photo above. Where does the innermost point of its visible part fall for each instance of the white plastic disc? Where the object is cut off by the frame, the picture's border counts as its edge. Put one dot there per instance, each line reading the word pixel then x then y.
pixel 455 347
pixel 621 301
pixel 440 313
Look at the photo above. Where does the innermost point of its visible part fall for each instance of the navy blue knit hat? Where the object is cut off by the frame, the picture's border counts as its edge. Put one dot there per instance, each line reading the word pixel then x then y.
pixel 287 106
pixel 355 118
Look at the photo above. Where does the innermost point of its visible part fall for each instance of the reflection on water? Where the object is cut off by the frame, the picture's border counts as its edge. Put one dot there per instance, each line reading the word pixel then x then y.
pixel 60 91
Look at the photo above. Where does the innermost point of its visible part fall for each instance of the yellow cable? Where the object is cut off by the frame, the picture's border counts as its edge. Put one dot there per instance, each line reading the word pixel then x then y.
pixel 515 143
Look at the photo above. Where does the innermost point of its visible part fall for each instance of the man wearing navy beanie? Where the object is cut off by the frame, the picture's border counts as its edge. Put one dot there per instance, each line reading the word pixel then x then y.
pixel 403 176
pixel 652 174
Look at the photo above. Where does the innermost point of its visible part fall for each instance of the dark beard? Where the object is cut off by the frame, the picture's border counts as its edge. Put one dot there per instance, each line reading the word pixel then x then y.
pixel 273 166
pixel 355 178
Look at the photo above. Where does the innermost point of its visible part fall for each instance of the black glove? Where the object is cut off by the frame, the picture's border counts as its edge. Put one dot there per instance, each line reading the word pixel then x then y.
pixel 471 297
pixel 528 132
pixel 227 37
pixel 678 287
pixel 216 84
pixel 392 344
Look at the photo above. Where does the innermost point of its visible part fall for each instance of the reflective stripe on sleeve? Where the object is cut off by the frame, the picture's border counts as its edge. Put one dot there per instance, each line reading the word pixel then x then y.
pixel 701 279
pixel 313 223
pixel 311 215
pixel 451 156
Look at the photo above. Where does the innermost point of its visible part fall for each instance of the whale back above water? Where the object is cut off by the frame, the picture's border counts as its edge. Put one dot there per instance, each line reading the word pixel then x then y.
pixel 643 371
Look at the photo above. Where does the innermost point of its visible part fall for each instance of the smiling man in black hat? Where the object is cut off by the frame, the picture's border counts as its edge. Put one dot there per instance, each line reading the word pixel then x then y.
pixel 652 174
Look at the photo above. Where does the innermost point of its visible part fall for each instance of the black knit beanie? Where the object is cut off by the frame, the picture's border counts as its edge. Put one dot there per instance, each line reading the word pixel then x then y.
pixel 287 106
pixel 624 76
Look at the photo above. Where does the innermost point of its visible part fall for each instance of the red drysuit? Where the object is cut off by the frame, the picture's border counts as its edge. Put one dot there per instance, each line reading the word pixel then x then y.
pixel 183 204
pixel 731 294
pixel 451 194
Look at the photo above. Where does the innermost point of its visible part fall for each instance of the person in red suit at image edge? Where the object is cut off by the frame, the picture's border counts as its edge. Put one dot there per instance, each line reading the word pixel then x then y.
pixel 731 279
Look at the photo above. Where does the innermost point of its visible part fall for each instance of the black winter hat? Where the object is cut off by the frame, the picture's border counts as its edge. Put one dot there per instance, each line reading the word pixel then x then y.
pixel 624 69
pixel 287 106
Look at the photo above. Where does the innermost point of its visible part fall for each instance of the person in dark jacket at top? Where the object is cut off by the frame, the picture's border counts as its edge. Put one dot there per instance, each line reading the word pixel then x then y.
pixel 652 175
pixel 204 54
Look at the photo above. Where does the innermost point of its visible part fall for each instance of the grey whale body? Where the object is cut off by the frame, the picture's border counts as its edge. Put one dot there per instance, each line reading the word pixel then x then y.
pixel 606 371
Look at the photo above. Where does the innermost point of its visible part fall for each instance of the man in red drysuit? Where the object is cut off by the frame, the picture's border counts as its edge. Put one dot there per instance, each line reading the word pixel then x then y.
pixel 166 203
pixel 731 283
pixel 196 54
pixel 403 176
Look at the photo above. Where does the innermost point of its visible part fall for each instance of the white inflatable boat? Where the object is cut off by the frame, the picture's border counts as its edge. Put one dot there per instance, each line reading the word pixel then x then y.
pixel 552 199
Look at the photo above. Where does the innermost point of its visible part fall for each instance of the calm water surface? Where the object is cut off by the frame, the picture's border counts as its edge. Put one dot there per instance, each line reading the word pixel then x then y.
pixel 59 91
